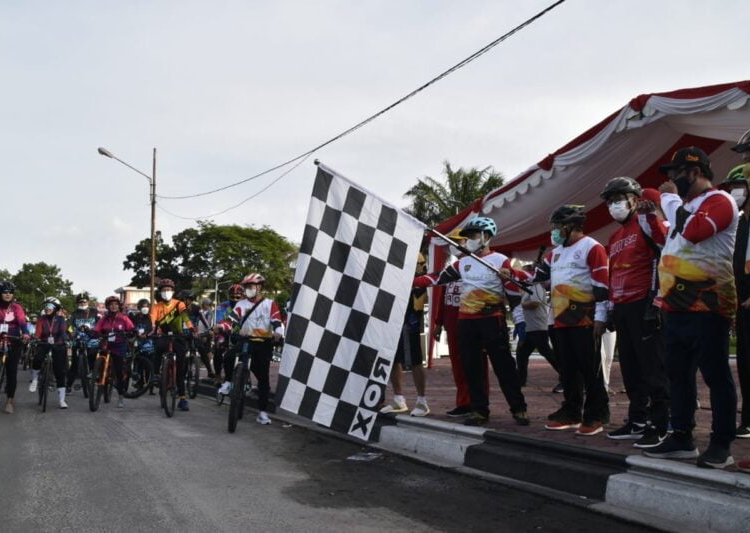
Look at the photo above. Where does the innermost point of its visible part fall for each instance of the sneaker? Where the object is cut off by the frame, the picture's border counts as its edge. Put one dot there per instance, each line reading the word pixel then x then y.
pixel 63 404
pixel 559 425
pixel 183 405
pixel 263 418
pixel 521 418
pixel 631 430
pixel 651 438
pixel 674 447
pixel 590 428
pixel 743 432
pixel 459 411
pixel 421 409
pixel 558 389
pixel 715 456
pixel 394 408
pixel 225 388
pixel 32 386
pixel 744 466
pixel 476 419
pixel 120 403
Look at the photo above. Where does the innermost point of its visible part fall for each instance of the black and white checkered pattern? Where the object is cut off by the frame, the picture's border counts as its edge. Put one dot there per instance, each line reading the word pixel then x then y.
pixel 351 288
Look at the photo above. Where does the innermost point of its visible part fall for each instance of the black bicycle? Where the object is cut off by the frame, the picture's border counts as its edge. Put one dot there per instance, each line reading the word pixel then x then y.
pixel 168 383
pixel 138 369
pixel 80 353
pixel 240 385
pixel 45 376
pixel 192 374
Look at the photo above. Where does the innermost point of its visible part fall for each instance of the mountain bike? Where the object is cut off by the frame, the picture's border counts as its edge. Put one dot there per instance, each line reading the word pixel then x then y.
pixel 168 383
pixel 102 378
pixel 240 385
pixel 138 369
pixel 80 353
pixel 192 374
pixel 45 376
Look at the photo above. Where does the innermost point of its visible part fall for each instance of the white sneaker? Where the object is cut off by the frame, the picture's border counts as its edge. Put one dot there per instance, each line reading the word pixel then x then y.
pixel 394 408
pixel 120 403
pixel 263 418
pixel 421 409
pixel 61 398
pixel 33 384
pixel 225 388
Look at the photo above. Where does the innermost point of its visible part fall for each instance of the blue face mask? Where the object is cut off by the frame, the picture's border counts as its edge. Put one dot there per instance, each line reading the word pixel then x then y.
pixel 557 237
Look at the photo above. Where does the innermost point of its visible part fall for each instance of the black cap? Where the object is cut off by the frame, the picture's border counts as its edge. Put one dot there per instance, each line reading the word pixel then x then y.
pixel 689 157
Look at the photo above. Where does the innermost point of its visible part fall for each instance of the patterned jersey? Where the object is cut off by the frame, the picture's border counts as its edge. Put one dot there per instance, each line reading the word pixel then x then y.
pixel 483 293
pixel 170 317
pixel 261 324
pixel 695 271
pixel 579 276
pixel 632 259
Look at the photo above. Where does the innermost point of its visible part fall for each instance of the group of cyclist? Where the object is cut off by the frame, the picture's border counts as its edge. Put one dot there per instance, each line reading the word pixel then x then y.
pixel 246 325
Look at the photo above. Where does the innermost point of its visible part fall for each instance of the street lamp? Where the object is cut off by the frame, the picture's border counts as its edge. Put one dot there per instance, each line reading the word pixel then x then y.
pixel 152 181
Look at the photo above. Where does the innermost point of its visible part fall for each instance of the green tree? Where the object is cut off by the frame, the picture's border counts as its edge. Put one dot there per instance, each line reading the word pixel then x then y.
pixel 197 254
pixel 432 201
pixel 36 280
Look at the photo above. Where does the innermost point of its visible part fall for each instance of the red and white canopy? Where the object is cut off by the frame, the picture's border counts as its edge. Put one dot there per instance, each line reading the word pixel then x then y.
pixel 633 142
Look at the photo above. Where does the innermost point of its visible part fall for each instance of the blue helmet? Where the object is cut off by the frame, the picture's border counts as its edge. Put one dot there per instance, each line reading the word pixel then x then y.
pixel 480 224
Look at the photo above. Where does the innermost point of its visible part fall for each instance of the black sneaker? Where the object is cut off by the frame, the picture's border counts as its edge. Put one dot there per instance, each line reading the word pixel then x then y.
pixel 459 411
pixel 476 419
pixel 521 418
pixel 716 456
pixel 558 389
pixel 563 414
pixel 631 430
pixel 743 432
pixel 674 447
pixel 651 438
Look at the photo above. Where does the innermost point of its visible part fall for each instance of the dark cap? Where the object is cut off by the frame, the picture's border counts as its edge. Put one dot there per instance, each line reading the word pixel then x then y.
pixel 689 157
pixel 743 145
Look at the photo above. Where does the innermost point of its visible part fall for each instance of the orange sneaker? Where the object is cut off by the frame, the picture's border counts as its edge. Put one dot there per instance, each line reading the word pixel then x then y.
pixel 744 466
pixel 558 425
pixel 590 428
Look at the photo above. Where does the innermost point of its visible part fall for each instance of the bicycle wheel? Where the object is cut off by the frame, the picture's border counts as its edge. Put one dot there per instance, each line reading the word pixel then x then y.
pixel 83 372
pixel 236 397
pixel 192 376
pixel 97 391
pixel 44 384
pixel 168 385
pixel 108 387
pixel 138 374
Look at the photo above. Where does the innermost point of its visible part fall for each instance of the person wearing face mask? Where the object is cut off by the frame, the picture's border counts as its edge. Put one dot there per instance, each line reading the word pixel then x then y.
pixel 578 271
pixel 235 293
pixel 481 319
pixel 698 296
pixel 52 331
pixel 141 319
pixel 203 318
pixel 114 326
pixel 449 299
pixel 80 323
pixel 13 324
pixel 634 250
pixel 256 320
pixel 169 315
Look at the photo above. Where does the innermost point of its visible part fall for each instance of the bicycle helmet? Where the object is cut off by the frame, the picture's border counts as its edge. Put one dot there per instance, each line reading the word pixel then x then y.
pixel 165 282
pixel 480 224
pixel 52 300
pixel 622 185
pixel 736 176
pixel 568 214
pixel 253 277
pixel 7 287
pixel 186 294
pixel 84 296
pixel 236 290
pixel 111 299
pixel 743 145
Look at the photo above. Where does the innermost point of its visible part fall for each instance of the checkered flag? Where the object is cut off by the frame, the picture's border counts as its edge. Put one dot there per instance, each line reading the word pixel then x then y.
pixel 351 288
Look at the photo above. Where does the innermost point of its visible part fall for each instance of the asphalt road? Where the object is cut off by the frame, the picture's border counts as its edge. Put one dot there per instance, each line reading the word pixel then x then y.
pixel 136 470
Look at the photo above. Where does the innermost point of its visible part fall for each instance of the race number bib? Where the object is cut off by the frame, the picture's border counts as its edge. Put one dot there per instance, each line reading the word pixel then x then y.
pixel 51 340
pixel 111 337
pixel 3 328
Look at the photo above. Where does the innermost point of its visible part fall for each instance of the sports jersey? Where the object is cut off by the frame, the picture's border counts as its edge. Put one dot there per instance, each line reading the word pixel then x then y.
pixel 12 319
pixel 695 271
pixel 483 293
pixel 52 328
pixel 170 317
pixel 631 258
pixel 113 327
pixel 83 317
pixel 578 276
pixel 261 324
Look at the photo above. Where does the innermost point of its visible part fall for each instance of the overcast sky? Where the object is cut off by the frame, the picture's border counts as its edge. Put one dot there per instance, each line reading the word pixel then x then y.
pixel 225 89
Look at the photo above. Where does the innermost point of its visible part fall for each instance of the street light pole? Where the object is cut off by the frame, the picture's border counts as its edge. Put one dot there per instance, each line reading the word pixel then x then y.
pixel 152 182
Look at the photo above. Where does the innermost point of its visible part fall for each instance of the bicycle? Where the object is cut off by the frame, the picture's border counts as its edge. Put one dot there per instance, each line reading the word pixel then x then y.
pixel 168 383
pixel 192 375
pixel 43 383
pixel 102 380
pixel 220 340
pixel 240 385
pixel 138 369
pixel 80 352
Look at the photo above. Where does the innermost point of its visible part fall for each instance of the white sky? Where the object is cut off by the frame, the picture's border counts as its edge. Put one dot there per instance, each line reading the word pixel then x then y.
pixel 225 89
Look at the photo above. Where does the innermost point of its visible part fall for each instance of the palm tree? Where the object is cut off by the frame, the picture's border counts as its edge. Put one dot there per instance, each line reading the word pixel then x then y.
pixel 433 201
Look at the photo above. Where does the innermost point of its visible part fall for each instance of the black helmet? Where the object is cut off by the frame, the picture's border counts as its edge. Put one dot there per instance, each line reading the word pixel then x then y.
pixel 142 302
pixel 186 294
pixel 81 297
pixel 622 185
pixel 7 286
pixel 568 214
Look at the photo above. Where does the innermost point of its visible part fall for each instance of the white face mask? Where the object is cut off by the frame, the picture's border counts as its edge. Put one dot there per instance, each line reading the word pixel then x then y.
pixel 739 195
pixel 619 210
pixel 166 295
pixel 144 310
pixel 83 307
pixel 250 293
pixel 474 245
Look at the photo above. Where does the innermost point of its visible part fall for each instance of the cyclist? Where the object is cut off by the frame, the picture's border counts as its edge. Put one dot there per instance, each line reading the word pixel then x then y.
pixel 235 293
pixel 51 328
pixel 256 321
pixel 31 324
pixel 141 319
pixel 203 318
pixel 169 315
pixel 114 326
pixel 12 323
pixel 80 324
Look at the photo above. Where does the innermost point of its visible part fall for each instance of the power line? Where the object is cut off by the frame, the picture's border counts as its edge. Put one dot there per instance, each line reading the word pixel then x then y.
pixel 366 121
